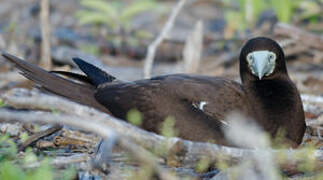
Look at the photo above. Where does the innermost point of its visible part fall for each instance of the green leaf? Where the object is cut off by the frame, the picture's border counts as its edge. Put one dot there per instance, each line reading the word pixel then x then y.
pixel 247 14
pixel 90 49
pixel 23 136
pixel 55 111
pixel 3 138
pixel 202 165
pixel 45 171
pixel 30 157
pixel 2 103
pixel 10 171
pixel 310 9
pixel 134 117
pixel 168 127
pixel 90 17
pixel 136 8
pixel 235 20
pixel 8 148
pixel 284 9
pixel 11 27
pixel 251 10
pixel 69 174
pixel 115 14
pixel 101 5
pixel 142 34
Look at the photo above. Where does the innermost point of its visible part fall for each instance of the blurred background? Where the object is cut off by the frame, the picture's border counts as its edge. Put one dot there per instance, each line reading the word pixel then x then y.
pixel 206 37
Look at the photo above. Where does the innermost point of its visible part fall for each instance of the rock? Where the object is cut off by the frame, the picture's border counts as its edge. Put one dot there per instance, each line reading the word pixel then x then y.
pixel 11 129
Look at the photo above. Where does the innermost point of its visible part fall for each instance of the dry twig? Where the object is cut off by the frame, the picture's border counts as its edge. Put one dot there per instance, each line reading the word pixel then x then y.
pixel 39 135
pixel 45 34
pixel 193 151
pixel 95 126
pixel 63 161
pixel 306 38
pixel 193 49
pixel 153 46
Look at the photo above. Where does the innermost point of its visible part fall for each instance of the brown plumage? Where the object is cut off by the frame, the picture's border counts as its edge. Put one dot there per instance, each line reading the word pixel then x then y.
pixel 199 104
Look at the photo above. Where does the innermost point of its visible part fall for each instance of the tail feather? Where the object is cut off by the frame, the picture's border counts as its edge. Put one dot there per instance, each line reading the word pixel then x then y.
pixel 95 74
pixel 78 77
pixel 80 93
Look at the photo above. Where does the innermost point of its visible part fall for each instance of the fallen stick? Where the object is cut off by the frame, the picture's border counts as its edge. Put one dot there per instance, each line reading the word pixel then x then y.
pixel 101 129
pixel 39 135
pixel 63 161
pixel 192 152
pixel 306 38
pixel 45 61
pixel 153 46
pixel 11 76
pixel 192 51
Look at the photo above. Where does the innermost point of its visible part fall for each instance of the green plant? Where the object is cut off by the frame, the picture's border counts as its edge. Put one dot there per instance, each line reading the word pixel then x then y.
pixel 284 9
pixel 90 48
pixel 251 9
pixel 13 167
pixel 134 117
pixel 245 14
pixel 2 103
pixel 114 14
pixel 167 128
pixel 8 148
pixel 117 17
pixel 311 10
pixel 202 165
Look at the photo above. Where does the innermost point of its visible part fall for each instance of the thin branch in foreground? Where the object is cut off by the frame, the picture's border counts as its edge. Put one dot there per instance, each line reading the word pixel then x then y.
pixel 45 35
pixel 63 161
pixel 101 129
pixel 248 134
pixel 153 46
pixel 193 49
pixel 194 151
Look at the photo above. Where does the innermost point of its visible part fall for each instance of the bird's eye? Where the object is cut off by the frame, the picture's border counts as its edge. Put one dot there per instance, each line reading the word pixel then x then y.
pixel 271 56
pixel 250 57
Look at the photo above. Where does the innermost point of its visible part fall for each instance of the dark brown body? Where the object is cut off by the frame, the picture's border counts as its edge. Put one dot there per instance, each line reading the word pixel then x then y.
pixel 175 95
pixel 273 102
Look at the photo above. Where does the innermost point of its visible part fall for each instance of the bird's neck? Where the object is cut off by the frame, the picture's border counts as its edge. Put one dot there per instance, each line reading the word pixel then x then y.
pixel 275 98
pixel 274 94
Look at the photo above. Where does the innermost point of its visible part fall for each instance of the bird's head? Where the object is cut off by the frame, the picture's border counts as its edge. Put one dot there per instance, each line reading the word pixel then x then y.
pixel 261 58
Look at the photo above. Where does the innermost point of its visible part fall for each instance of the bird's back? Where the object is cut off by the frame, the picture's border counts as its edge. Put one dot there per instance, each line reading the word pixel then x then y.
pixel 198 104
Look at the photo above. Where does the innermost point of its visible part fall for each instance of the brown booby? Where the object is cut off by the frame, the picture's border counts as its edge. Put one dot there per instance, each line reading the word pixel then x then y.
pixel 199 104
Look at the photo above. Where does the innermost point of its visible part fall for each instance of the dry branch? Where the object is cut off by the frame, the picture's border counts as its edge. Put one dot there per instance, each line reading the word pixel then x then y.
pixel 95 126
pixel 39 135
pixel 306 38
pixel 45 35
pixel 193 49
pixel 153 46
pixel 63 161
pixel 11 76
pixel 192 151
